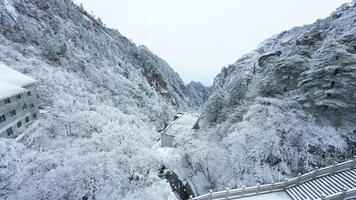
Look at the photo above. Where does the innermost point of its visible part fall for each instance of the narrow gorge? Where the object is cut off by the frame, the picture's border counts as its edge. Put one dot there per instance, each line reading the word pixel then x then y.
pixel 105 103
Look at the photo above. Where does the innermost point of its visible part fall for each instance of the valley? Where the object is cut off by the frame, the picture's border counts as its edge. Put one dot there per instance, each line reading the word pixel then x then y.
pixel 116 121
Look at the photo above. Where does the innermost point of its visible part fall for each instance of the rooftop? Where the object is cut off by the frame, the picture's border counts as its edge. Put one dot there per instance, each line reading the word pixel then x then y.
pixel 12 81
pixel 184 123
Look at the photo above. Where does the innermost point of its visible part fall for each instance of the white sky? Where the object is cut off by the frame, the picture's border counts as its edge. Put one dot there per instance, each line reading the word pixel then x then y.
pixel 198 37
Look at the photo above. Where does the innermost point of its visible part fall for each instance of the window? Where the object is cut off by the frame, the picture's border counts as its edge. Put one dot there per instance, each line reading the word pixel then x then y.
pixel 34 115
pixel 13 113
pixel 31 105
pixel 27 119
pixel 19 124
pixel 18 96
pixel 2 118
pixel 24 107
pixel 7 101
pixel 9 131
pixel 29 93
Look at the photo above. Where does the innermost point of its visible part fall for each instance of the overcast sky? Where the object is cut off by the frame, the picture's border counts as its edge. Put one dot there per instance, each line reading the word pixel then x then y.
pixel 198 37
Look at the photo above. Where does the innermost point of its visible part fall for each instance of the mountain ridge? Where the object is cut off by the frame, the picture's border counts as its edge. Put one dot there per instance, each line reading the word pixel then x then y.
pixel 282 109
pixel 102 100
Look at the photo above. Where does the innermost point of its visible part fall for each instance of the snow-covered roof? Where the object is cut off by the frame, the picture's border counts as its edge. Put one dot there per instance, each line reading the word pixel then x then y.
pixel 14 77
pixel 12 81
pixel 8 90
pixel 184 123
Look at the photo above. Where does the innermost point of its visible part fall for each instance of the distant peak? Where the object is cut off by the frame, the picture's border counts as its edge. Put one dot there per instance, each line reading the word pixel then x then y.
pixel 196 83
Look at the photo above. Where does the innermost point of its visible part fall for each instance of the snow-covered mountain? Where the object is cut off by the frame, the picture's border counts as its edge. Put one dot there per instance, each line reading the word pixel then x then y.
pixel 313 65
pixel 63 35
pixel 284 108
pixel 102 100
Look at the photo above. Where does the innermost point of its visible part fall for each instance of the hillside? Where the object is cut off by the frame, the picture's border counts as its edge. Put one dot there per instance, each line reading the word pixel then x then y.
pixel 287 107
pixel 102 101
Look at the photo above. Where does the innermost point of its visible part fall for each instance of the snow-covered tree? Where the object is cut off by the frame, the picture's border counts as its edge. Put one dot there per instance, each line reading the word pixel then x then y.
pixel 239 91
pixel 330 83
pixel 284 123
pixel 282 75
pixel 214 107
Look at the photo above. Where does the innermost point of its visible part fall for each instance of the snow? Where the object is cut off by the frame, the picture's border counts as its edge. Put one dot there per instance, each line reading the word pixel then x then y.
pixel 183 124
pixel 98 133
pixel 14 77
pixel 10 8
pixel 101 117
pixel 11 82
pixel 270 196
pixel 255 127
pixel 8 90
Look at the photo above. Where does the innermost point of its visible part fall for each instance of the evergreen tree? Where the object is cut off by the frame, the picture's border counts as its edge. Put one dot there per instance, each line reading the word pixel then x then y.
pixel 238 93
pixel 214 106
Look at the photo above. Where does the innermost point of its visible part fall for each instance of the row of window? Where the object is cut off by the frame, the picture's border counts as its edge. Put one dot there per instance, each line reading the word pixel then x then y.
pixel 13 112
pixel 24 107
pixel 19 124
pixel 19 96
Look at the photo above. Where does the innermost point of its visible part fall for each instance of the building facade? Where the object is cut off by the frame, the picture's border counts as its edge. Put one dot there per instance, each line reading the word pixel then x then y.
pixel 18 102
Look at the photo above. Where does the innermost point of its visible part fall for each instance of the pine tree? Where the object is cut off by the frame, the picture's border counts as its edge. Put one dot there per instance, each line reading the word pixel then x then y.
pixel 214 106
pixel 238 93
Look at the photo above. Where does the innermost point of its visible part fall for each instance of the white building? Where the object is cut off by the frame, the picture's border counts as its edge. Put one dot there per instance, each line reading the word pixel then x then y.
pixel 18 101
pixel 181 126
pixel 166 138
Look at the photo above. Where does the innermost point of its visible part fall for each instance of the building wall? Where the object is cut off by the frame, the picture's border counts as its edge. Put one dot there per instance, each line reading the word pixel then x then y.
pixel 23 114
